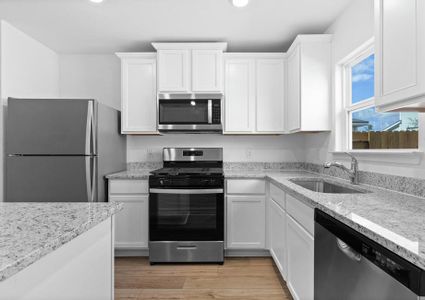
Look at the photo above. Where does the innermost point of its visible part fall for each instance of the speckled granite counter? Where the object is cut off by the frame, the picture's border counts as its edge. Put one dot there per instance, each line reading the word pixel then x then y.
pixel 394 220
pixel 130 174
pixel 29 231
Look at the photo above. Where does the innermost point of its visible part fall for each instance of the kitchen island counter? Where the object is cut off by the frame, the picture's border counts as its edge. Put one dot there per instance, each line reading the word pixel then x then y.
pixel 33 235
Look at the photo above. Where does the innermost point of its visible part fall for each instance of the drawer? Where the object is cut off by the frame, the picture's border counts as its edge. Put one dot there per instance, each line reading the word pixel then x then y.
pixel 277 195
pixel 246 186
pixel 128 187
pixel 301 212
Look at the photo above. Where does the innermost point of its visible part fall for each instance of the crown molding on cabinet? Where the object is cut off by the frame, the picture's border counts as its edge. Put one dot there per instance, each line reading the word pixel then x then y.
pixel 190 46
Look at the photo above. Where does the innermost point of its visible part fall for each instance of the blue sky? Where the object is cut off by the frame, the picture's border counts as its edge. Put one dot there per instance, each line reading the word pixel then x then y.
pixel 362 76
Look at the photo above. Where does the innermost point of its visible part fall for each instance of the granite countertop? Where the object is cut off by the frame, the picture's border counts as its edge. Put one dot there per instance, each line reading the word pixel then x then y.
pixel 29 231
pixel 130 174
pixel 393 219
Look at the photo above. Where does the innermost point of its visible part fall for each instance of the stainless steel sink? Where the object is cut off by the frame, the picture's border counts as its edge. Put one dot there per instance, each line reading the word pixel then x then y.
pixel 323 186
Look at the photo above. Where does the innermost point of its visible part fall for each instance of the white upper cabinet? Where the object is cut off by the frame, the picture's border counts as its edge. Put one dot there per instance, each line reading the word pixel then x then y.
pixel 190 67
pixel 308 98
pixel 293 116
pixel 207 70
pixel 254 93
pixel 138 93
pixel 270 95
pixel 173 70
pixel 399 54
pixel 239 93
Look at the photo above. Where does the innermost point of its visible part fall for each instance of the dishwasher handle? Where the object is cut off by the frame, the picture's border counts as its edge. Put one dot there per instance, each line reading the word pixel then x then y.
pixel 348 251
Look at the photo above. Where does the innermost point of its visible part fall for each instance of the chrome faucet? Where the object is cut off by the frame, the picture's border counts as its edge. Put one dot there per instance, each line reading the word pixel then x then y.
pixel 353 172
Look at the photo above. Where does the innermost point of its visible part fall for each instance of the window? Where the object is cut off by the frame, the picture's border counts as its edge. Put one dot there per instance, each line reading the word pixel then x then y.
pixel 367 128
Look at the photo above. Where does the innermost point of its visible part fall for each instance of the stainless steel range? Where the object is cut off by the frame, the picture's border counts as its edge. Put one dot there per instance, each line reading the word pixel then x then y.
pixel 186 207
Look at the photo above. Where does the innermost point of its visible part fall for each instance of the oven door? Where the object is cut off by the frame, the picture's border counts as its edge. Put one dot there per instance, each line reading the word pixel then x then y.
pixel 186 215
pixel 188 115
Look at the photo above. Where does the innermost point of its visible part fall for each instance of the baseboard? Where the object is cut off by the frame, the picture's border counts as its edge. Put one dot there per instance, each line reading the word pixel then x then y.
pixel 131 252
pixel 246 253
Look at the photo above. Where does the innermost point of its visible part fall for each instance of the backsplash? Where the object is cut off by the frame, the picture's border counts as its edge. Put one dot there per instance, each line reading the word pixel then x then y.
pixel 144 165
pixel 408 185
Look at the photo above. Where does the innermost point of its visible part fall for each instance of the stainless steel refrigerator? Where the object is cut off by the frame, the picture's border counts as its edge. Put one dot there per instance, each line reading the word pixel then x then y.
pixel 59 150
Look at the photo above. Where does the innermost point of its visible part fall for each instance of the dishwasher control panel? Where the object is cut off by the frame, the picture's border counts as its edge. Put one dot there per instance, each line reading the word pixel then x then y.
pixel 383 262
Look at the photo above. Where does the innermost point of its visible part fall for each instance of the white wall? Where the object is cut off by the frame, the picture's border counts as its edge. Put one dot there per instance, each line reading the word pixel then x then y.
pixel 352 29
pixel 236 148
pixel 28 69
pixel 91 76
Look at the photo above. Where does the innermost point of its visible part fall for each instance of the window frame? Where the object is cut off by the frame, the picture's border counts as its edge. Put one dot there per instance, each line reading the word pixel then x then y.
pixel 348 107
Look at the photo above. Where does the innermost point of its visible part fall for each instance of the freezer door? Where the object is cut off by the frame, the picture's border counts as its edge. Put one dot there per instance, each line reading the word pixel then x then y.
pixel 51 179
pixel 51 126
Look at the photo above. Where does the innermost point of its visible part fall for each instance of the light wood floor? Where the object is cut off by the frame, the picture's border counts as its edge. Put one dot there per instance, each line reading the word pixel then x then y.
pixel 237 279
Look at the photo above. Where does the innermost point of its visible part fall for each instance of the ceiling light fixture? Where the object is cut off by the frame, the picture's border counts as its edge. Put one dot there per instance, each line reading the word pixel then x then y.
pixel 239 3
pixel 96 1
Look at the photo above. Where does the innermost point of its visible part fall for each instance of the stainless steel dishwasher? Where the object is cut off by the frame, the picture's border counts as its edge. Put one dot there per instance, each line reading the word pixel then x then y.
pixel 348 265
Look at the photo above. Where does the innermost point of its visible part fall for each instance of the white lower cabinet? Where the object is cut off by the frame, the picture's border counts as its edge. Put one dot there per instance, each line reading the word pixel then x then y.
pixel 291 241
pixel 300 248
pixel 132 223
pixel 246 214
pixel 246 222
pixel 278 236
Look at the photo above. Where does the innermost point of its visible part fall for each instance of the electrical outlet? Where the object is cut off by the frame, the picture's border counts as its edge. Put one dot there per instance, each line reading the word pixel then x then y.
pixel 248 153
pixel 150 153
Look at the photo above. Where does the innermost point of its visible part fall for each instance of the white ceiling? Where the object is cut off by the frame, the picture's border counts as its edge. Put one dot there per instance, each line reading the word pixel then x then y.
pixel 79 26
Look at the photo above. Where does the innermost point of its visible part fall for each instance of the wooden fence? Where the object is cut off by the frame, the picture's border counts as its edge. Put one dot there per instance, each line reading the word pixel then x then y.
pixel 385 140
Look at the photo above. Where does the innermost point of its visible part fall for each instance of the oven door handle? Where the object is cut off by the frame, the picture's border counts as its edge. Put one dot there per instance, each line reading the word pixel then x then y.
pixel 186 191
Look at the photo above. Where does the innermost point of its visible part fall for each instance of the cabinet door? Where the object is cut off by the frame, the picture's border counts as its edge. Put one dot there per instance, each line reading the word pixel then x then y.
pixel 132 223
pixel 293 100
pixel 138 95
pixel 400 50
pixel 270 95
pixel 300 245
pixel 173 70
pixel 239 95
pixel 246 222
pixel 278 236
pixel 207 70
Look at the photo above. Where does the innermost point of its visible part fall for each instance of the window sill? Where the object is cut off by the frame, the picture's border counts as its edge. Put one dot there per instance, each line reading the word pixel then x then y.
pixel 382 151
pixel 395 156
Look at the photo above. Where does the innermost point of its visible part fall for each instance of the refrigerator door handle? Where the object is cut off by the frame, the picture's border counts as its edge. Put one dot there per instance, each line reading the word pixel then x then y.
pixel 91 178
pixel 89 129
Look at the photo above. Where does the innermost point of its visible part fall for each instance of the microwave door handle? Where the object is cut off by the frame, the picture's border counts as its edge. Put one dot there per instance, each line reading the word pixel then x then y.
pixel 209 111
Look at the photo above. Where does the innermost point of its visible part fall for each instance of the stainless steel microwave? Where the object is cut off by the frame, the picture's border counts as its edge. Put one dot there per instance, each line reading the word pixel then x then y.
pixel 190 113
